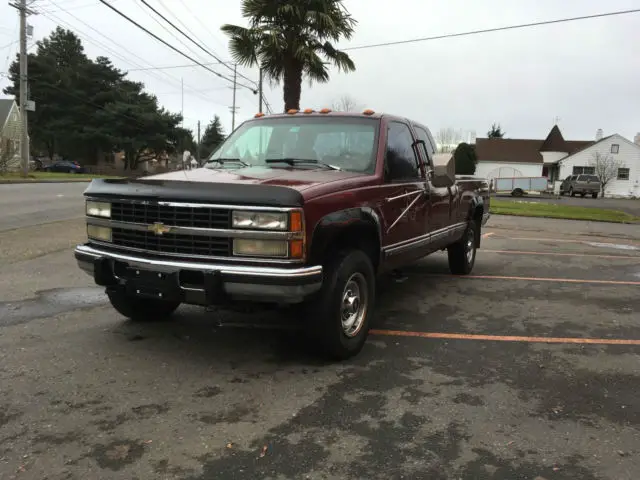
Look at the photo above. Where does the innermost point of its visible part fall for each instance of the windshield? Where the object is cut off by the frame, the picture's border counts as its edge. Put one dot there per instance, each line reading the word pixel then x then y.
pixel 347 143
pixel 589 178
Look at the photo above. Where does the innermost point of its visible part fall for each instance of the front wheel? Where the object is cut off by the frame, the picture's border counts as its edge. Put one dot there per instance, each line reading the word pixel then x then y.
pixel 141 309
pixel 462 254
pixel 594 195
pixel 339 316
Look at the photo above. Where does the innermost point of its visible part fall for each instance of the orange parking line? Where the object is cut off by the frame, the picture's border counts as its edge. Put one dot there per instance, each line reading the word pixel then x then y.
pixel 505 338
pixel 535 279
pixel 522 252
pixel 488 234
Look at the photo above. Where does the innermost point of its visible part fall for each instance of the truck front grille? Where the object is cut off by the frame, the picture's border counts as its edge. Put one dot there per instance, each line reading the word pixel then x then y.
pixel 172 243
pixel 179 216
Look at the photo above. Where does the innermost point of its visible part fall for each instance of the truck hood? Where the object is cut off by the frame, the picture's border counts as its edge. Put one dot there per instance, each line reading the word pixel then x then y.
pixel 309 181
pixel 286 187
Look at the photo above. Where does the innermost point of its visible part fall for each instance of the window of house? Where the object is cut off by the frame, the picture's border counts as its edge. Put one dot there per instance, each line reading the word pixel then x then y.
pixel 615 148
pixel 584 170
pixel 623 174
pixel 401 161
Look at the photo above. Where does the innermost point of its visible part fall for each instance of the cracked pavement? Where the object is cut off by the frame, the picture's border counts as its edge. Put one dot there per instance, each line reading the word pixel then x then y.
pixel 87 394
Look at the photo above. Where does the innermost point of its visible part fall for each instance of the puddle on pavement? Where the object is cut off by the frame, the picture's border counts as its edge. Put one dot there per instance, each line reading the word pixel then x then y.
pixel 619 246
pixel 49 303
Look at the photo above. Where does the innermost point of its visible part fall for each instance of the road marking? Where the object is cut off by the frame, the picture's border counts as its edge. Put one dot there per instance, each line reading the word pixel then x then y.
pixel 505 338
pixel 532 279
pixel 523 252
pixel 488 234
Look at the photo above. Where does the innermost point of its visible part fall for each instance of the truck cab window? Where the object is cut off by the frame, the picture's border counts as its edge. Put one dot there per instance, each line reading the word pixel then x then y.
pixel 400 162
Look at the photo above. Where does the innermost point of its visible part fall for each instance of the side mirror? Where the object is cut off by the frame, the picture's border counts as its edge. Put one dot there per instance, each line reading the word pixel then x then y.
pixel 444 170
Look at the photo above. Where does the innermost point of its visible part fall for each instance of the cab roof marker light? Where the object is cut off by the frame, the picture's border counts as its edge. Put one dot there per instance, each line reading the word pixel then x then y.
pixel 292 111
pixel 325 110
pixel 258 115
pixel 368 111
pixel 308 110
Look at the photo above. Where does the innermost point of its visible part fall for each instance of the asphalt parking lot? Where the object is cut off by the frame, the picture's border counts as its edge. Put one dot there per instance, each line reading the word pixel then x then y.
pixel 527 369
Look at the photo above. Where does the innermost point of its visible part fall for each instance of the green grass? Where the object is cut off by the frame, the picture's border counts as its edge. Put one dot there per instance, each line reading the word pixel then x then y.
pixel 50 176
pixel 547 210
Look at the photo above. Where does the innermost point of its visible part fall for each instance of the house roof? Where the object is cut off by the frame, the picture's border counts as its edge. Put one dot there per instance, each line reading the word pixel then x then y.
pixel 5 107
pixel 514 150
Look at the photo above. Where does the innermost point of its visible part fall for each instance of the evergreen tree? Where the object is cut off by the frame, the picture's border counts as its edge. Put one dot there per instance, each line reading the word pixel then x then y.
pixel 212 137
pixel 495 132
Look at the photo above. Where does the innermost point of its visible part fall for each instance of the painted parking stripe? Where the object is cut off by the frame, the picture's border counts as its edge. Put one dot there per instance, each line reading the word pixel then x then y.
pixel 504 338
pixel 558 254
pixel 532 279
pixel 488 234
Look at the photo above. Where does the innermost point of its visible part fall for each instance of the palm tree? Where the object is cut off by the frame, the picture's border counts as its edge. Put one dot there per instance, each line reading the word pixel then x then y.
pixel 289 39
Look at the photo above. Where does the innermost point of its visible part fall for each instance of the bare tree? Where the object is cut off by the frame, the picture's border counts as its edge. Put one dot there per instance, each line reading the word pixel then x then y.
pixel 346 103
pixel 605 168
pixel 447 139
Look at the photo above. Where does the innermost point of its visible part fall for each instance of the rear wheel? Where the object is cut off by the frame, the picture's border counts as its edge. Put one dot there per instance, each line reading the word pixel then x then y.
pixel 141 309
pixel 339 316
pixel 462 254
pixel 594 195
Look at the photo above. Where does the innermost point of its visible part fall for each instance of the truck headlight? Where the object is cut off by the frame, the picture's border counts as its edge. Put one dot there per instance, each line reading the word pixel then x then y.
pixel 260 248
pixel 98 209
pixel 97 232
pixel 259 220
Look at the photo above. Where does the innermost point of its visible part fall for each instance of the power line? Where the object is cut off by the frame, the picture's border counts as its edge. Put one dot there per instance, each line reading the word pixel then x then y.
pixel 144 2
pixel 172 80
pixel 170 67
pixel 497 29
pixel 104 2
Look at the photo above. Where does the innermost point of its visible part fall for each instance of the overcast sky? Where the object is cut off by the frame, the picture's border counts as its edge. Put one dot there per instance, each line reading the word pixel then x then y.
pixel 586 73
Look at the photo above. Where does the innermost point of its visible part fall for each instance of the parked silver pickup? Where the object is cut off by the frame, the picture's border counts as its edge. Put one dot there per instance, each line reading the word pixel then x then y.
pixel 581 184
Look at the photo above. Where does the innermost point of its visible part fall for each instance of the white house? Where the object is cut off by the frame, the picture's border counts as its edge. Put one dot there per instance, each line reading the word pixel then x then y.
pixel 557 158
pixel 621 155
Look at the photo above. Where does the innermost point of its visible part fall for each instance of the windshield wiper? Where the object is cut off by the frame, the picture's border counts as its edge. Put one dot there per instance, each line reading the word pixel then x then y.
pixel 300 161
pixel 222 161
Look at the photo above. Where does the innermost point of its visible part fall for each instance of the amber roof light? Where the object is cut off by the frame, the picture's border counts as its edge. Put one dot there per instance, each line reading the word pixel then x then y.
pixel 292 111
pixel 308 110
pixel 325 110
pixel 258 115
pixel 368 111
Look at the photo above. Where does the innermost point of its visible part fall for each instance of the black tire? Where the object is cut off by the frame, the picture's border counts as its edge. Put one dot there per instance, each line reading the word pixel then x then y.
pixel 462 254
pixel 518 192
pixel 351 274
pixel 141 309
pixel 582 194
pixel 594 195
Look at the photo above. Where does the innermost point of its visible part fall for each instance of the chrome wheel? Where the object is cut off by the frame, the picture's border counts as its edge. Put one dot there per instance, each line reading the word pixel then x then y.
pixel 470 246
pixel 354 305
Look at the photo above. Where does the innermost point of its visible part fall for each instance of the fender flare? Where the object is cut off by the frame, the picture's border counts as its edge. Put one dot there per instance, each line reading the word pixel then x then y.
pixel 329 227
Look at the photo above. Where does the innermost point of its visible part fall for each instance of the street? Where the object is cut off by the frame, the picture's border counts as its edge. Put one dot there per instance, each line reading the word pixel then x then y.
pixel 35 204
pixel 526 369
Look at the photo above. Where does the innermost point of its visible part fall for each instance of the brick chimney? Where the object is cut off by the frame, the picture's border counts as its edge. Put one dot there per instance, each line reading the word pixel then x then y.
pixel 636 139
pixel 599 135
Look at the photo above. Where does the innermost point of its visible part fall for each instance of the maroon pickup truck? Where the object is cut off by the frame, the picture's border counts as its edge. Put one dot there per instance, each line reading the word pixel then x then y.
pixel 299 208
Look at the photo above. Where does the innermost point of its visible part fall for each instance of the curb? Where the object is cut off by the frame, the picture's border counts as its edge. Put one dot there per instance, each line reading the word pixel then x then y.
pixel 22 182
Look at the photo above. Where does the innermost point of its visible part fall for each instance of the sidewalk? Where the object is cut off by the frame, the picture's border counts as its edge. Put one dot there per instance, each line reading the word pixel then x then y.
pixel 564 227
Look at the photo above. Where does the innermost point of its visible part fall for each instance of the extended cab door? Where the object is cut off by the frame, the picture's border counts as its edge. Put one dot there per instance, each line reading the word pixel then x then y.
pixel 439 217
pixel 405 203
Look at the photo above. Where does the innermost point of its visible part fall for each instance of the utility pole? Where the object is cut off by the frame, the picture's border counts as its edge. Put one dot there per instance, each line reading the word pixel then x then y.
pixel 260 91
pixel 235 87
pixel 198 145
pixel 21 6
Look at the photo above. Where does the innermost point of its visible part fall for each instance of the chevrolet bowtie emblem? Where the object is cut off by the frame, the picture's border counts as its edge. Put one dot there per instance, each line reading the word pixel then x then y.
pixel 159 228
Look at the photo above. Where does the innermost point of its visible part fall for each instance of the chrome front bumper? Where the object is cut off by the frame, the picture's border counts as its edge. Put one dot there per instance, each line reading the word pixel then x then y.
pixel 220 281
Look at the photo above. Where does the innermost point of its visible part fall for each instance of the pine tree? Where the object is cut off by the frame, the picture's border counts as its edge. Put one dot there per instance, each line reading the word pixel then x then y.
pixel 212 137
pixel 495 132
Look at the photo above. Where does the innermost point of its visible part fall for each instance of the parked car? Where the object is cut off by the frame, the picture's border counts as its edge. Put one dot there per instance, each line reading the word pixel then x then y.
pixel 64 166
pixel 316 208
pixel 581 184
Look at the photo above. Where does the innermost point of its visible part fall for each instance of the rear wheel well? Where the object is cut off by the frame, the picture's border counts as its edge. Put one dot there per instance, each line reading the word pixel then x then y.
pixel 358 237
